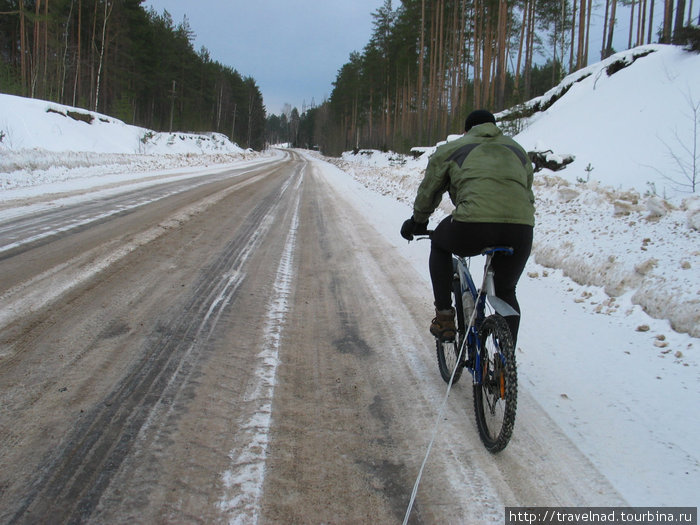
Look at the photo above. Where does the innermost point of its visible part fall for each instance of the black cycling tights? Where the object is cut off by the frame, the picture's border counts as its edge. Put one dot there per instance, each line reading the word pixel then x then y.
pixel 469 238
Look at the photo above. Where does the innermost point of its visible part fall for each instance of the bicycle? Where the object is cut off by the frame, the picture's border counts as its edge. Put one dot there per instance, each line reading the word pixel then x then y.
pixel 489 355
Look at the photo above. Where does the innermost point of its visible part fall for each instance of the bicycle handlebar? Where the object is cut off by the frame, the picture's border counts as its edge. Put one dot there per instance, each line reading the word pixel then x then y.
pixel 490 250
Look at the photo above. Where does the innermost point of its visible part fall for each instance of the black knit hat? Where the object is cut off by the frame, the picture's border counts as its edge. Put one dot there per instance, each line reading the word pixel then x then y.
pixel 479 116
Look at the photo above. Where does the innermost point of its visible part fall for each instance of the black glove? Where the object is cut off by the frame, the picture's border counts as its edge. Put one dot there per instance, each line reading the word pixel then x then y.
pixel 411 228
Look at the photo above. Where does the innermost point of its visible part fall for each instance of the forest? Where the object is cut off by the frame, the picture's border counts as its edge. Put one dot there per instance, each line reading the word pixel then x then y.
pixel 427 64
pixel 119 59
pixel 430 62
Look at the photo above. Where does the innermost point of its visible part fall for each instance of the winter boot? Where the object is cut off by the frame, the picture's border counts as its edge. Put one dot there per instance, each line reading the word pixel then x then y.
pixel 443 326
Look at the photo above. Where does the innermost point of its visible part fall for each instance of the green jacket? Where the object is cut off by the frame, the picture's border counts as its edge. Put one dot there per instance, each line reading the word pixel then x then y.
pixel 488 176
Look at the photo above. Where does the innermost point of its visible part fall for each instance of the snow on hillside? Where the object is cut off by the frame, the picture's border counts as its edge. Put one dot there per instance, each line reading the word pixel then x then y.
pixel 30 123
pixel 44 142
pixel 631 121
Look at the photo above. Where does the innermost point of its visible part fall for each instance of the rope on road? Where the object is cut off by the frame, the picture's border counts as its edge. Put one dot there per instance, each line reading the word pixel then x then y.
pixel 437 422
pixel 432 440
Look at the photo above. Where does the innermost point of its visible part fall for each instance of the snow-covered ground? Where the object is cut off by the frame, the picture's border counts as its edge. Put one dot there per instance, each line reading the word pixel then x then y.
pixel 611 297
pixel 44 143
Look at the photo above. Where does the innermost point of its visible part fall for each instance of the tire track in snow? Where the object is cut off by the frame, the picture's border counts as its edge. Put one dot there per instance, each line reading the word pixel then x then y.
pixel 74 478
pixel 243 481
pixel 26 296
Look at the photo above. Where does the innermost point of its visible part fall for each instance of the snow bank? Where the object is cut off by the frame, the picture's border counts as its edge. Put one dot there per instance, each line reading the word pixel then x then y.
pixel 46 143
pixel 32 168
pixel 29 124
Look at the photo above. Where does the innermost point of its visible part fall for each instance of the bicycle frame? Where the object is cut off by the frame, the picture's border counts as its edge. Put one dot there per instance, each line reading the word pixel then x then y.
pixel 470 345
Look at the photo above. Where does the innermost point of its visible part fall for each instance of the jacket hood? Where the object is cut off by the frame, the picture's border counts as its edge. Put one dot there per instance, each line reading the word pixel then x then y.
pixel 487 129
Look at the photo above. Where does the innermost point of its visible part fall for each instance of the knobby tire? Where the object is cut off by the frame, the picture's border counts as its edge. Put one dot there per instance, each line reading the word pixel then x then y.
pixel 496 397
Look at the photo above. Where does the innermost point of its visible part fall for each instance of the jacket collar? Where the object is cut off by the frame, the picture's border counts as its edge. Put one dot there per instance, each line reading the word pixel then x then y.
pixel 487 129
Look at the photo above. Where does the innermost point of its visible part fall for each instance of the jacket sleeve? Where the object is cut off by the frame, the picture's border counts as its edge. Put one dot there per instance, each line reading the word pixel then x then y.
pixel 435 182
pixel 530 178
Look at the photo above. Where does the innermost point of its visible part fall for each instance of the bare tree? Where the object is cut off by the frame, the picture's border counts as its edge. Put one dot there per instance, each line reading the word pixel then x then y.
pixel 686 153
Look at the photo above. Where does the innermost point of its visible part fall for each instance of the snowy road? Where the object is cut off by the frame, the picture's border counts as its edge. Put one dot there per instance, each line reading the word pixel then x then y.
pixel 235 348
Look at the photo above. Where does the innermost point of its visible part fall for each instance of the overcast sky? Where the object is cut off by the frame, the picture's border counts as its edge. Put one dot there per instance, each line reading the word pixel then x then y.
pixel 292 48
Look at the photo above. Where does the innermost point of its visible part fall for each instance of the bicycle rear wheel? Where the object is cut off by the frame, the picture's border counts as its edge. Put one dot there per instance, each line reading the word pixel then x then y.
pixel 448 351
pixel 496 396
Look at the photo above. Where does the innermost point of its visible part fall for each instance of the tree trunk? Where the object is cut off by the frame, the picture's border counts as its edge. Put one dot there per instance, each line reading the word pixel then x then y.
pixel 678 26
pixel 93 47
pixel 690 14
pixel 108 11
pixel 609 47
pixel 44 79
pixel 572 65
pixel 34 70
pixel 668 14
pixel 588 32
pixel 605 29
pixel 581 35
pixel 460 62
pixel 530 49
pixel 487 61
pixel 454 52
pixel 22 47
pixel 430 102
pixel 477 53
pixel 629 41
pixel 441 66
pixel 64 66
pixel 502 39
pixel 76 82
pixel 526 11
pixel 641 21
pixel 421 54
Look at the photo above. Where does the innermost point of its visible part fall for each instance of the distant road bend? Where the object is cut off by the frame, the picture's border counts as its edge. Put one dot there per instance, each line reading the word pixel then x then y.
pixel 239 347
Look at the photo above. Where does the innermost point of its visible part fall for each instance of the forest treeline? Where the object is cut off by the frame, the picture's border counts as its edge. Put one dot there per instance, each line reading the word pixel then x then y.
pixel 117 58
pixel 430 62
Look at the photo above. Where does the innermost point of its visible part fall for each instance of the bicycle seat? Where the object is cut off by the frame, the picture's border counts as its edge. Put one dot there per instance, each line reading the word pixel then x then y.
pixel 507 250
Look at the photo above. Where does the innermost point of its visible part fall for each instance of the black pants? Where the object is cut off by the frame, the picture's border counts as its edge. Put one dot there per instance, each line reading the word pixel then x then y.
pixel 469 238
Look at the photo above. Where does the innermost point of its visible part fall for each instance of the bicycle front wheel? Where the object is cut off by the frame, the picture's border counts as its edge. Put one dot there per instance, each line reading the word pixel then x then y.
pixel 447 354
pixel 496 394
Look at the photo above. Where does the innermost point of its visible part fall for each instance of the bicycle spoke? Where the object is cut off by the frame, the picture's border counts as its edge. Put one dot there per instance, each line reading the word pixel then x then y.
pixel 447 354
pixel 495 396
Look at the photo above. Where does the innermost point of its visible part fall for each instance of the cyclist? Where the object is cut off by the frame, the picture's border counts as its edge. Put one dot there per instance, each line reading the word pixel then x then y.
pixel 489 180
